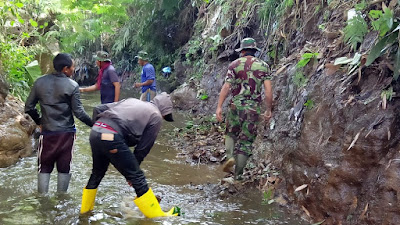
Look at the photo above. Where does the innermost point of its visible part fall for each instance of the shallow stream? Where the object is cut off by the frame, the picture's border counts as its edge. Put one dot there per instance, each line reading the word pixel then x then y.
pixel 192 187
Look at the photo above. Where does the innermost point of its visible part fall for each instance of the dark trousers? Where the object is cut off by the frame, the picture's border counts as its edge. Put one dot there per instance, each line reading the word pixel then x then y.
pixel 55 148
pixel 120 156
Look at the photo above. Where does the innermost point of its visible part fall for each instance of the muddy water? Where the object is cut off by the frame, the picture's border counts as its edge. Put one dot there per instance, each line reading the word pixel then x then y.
pixel 191 187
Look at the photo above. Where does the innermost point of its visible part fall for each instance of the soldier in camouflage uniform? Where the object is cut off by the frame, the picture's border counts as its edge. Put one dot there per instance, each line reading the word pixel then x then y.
pixel 244 80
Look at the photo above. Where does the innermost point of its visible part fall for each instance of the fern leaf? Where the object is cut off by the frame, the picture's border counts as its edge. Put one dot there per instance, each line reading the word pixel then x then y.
pixel 355 31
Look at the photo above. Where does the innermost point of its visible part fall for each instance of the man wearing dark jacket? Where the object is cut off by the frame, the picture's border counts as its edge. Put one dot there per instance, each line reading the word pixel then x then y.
pixel 118 126
pixel 59 99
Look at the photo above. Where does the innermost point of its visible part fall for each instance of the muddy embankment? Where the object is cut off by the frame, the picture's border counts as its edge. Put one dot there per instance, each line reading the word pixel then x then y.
pixel 331 150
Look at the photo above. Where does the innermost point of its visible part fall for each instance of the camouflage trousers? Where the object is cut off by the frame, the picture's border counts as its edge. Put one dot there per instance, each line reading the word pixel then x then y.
pixel 241 125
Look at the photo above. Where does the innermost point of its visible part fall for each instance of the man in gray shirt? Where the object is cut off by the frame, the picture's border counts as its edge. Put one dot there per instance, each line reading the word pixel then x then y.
pixel 118 126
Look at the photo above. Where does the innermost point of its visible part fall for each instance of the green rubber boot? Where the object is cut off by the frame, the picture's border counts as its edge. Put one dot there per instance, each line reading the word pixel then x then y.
pixel 241 161
pixel 229 146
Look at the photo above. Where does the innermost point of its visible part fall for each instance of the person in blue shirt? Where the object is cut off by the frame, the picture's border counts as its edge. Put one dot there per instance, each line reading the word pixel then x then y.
pixel 148 77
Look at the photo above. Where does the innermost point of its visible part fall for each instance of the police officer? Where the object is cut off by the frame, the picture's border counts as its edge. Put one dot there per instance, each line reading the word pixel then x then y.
pixel 118 126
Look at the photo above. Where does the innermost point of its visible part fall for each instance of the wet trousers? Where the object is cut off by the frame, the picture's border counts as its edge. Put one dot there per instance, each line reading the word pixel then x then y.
pixel 241 125
pixel 111 148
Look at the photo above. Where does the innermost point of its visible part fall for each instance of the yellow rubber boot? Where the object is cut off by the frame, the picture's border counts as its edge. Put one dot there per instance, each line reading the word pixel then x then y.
pixel 88 197
pixel 150 207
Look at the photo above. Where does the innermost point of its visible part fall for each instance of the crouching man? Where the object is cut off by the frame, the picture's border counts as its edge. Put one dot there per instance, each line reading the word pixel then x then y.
pixel 118 126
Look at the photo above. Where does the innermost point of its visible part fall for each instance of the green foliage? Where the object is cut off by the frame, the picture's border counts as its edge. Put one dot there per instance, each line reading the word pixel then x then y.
pixel 380 47
pixel 353 63
pixel 83 22
pixel 203 97
pixel 288 3
pixel 34 71
pixel 202 124
pixel 305 58
pixel 147 23
pixel 327 14
pixel 216 41
pixel 317 9
pixel 309 104
pixel 219 2
pixel 18 24
pixel 382 21
pixel 121 27
pixel 198 3
pixel 388 94
pixel 274 9
pixel 14 58
pixel 300 80
pixel 355 31
pixel 194 50
pixel 13 17
pixel 268 197
pixel 199 67
pixel 360 6
pixel 189 124
pixel 272 54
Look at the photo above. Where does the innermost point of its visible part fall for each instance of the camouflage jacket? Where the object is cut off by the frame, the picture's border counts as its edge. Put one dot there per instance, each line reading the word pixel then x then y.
pixel 246 76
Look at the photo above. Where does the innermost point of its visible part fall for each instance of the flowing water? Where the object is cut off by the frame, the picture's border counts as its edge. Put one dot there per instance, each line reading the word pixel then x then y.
pixel 192 187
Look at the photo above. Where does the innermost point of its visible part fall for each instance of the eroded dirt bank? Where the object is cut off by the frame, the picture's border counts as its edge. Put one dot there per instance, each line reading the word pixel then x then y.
pixel 331 150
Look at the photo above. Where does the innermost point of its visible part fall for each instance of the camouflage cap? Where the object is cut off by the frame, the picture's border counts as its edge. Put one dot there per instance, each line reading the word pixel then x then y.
pixel 102 56
pixel 247 43
pixel 143 56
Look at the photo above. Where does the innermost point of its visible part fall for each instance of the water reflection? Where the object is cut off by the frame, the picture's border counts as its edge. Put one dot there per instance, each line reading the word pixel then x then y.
pixel 191 187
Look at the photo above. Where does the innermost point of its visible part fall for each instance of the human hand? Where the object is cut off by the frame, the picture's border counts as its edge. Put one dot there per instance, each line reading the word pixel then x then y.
pixel 137 85
pixel 267 115
pixel 219 114
pixel 81 90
